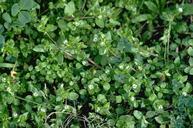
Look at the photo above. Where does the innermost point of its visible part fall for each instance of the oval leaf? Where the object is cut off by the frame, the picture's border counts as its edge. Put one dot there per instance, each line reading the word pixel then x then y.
pixel 24 17
pixel 70 8
pixel 26 4
pixel 6 65
pixel 38 48
pixel 7 17
pixel 2 41
pixel 15 9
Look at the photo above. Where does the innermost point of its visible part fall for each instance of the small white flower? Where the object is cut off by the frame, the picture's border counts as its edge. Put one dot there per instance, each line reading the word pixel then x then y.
pixel 71 83
pixel 184 93
pixel 65 41
pixel 35 94
pixel 102 36
pixel 3 79
pixel 98 109
pixel 43 109
pixel 132 98
pixel 180 9
pixel 107 71
pixel 127 67
pixel 121 66
pixel 134 86
pixel 15 114
pixel 62 85
pixel 160 107
pixel 84 63
pixel 66 107
pixel 105 51
pixel 95 39
pixel 9 89
pixel 140 68
pixel 90 86
pixel 102 43
pixel 76 23
pixel 100 17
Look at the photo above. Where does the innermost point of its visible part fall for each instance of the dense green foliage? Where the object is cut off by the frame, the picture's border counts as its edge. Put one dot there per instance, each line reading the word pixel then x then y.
pixel 96 63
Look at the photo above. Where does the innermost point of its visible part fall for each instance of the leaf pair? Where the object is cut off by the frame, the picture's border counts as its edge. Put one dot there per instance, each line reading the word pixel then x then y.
pixel 21 9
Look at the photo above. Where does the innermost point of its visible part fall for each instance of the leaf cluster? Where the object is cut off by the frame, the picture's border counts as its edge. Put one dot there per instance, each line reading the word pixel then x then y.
pixel 96 63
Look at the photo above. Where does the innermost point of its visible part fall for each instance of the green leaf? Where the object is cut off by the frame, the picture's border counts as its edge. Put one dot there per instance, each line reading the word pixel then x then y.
pixel 144 122
pixel 125 121
pixel 187 88
pixel 168 15
pixel 118 99
pixel 15 9
pixel 159 119
pixel 100 23
pixel 103 60
pixel 181 27
pixel 101 98
pixel 162 119
pixel 24 17
pixel 106 86
pixel 191 71
pixel 2 41
pixel 26 4
pixel 73 96
pixel 188 9
pixel 141 18
pixel 151 6
pixel 159 104
pixel 190 51
pixel 23 117
pixel 39 48
pixel 60 58
pixel 10 58
pixel 6 65
pixel 50 28
pixel 124 45
pixel 1 28
pixel 177 60
pixel 7 17
pixel 137 114
pixel 191 61
pixel 62 24
pixel 150 114
pixel 120 110
pixel 187 69
pixel 70 8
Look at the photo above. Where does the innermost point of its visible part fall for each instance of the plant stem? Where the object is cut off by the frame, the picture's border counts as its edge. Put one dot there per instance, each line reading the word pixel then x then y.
pixel 168 40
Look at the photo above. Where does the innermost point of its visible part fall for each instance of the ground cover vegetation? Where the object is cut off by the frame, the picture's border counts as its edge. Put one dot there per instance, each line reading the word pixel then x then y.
pixel 96 63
